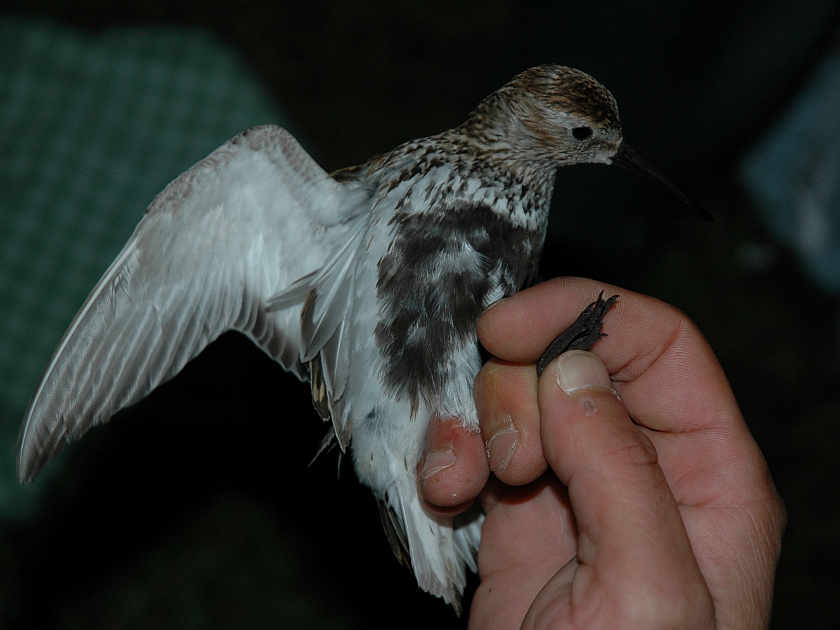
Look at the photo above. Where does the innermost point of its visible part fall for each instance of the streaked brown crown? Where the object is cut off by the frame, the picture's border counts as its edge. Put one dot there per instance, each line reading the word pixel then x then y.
pixel 570 90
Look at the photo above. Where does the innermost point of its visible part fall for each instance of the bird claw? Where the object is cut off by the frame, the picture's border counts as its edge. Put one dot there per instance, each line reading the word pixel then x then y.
pixel 582 334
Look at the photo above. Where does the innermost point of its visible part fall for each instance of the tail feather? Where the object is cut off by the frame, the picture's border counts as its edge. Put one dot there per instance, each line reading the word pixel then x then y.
pixel 441 548
pixel 395 534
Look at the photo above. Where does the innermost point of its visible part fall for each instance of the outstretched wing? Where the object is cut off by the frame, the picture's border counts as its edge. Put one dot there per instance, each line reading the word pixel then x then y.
pixel 238 227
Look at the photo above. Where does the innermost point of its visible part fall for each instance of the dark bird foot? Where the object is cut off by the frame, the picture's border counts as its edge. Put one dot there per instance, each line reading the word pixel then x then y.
pixel 581 335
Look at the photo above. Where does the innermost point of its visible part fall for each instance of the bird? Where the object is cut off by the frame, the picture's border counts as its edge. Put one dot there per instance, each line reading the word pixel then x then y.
pixel 367 283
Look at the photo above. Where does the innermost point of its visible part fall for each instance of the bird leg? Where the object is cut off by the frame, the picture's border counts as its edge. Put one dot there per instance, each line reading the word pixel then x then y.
pixel 581 335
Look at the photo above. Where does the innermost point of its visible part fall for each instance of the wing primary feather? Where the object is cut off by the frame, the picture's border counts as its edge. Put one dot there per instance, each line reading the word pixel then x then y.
pixel 110 273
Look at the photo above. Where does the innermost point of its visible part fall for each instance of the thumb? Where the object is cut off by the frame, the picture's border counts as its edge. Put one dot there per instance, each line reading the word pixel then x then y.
pixel 632 544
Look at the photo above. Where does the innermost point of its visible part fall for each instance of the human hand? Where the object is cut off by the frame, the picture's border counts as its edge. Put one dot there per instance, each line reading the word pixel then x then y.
pixel 592 520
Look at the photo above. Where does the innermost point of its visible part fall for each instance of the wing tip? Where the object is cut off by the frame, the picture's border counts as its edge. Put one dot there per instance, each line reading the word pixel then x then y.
pixel 30 463
pixel 37 445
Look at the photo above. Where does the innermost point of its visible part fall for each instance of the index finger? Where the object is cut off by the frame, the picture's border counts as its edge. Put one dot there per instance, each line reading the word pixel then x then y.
pixel 660 364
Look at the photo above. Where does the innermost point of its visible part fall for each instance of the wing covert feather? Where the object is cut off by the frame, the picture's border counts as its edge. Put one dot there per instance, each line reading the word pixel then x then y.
pixel 240 226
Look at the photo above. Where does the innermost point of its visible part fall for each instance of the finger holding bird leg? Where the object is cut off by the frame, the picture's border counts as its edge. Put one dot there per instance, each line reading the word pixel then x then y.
pixel 506 400
pixel 510 420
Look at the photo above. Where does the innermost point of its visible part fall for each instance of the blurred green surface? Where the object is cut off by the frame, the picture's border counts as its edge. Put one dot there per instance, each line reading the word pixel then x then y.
pixel 93 127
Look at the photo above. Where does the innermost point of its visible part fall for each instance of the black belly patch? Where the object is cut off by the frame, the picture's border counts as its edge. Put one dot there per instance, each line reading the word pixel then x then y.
pixel 433 284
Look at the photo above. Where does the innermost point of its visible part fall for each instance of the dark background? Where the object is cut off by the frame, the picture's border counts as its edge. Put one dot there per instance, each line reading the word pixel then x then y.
pixel 196 508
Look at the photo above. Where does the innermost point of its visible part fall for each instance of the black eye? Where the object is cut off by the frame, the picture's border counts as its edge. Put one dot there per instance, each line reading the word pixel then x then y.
pixel 582 133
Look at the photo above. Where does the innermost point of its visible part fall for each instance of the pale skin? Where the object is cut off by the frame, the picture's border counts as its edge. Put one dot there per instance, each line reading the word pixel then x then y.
pixel 594 520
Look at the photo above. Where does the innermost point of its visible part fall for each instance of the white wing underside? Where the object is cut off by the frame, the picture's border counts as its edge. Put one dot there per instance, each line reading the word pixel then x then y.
pixel 242 225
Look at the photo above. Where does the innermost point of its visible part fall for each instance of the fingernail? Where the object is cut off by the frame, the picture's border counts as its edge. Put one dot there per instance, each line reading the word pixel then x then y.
pixel 437 461
pixel 500 447
pixel 579 370
pixel 494 304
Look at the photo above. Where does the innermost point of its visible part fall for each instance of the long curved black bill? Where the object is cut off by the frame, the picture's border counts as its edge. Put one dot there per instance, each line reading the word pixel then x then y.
pixel 628 159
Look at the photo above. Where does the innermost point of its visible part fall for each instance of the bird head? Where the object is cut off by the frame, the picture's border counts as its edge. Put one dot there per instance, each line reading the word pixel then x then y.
pixel 570 117
pixel 557 116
